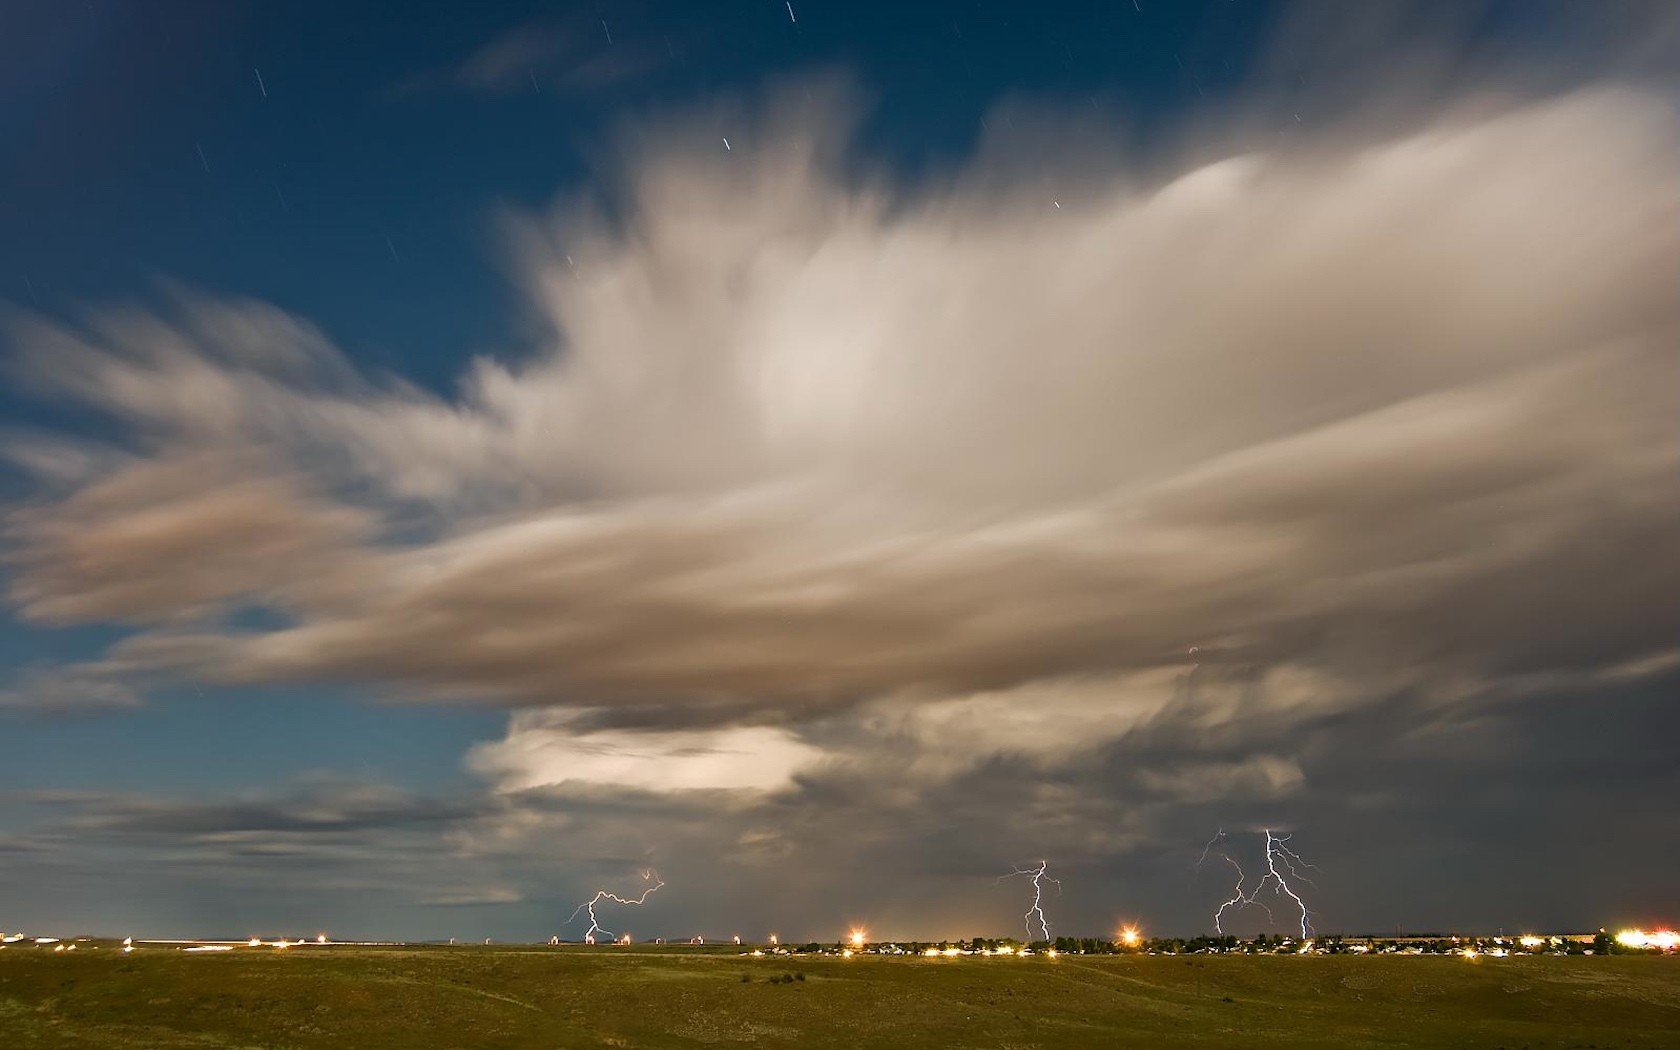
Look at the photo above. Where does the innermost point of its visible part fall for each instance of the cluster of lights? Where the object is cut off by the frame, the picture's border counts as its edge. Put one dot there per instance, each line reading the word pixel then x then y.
pixel 857 941
pixel 1659 940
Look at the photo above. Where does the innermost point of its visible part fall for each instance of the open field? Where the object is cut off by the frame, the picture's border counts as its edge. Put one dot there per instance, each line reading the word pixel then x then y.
pixel 578 997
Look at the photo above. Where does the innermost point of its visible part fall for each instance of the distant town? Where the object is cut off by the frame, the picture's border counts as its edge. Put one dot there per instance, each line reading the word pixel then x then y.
pixel 857 943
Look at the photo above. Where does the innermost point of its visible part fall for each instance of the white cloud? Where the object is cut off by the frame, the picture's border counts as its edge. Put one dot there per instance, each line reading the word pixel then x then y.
pixel 542 749
pixel 803 442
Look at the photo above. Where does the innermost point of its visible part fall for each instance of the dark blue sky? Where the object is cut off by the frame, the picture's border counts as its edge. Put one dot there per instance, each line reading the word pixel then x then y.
pixel 359 166
pixel 352 152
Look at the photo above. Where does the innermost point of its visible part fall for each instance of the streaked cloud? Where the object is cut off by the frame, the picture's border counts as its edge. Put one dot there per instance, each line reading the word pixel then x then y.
pixel 1003 514
pixel 802 443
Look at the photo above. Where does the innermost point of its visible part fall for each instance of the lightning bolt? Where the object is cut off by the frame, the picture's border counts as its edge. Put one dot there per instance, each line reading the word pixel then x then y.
pixel 1282 865
pixel 1036 911
pixel 1217 837
pixel 595 926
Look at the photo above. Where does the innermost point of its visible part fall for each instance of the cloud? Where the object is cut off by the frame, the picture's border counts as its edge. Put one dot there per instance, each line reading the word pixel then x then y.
pixel 573 55
pixel 174 537
pixel 473 897
pixel 803 442
pixel 543 749
pixel 327 808
pixel 66 692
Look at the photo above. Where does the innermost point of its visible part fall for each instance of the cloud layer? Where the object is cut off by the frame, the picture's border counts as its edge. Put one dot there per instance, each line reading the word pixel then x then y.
pixel 801 443
pixel 1124 497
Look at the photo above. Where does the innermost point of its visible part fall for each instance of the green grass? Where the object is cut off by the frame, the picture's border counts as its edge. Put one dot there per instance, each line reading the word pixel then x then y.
pixel 531 997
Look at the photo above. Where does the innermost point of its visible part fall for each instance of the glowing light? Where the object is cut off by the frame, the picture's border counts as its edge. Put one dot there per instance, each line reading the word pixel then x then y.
pixel 602 895
pixel 774 939
pixel 847 953
pixel 1004 949
pixel 320 938
pixel 1131 936
pixel 254 942
pixel 931 953
pixel 1660 940
pixel 1036 910
pixel 282 943
pixel 1051 953
pixel 209 948
pixel 1530 941
pixel 737 938
pixel 858 937
pixel 1470 953
pixel 625 939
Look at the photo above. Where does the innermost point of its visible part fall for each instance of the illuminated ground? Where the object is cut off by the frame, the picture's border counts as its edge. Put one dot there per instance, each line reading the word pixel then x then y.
pixel 517 997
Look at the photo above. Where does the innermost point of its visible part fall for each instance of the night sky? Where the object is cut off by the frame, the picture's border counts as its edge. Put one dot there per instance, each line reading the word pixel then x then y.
pixel 455 457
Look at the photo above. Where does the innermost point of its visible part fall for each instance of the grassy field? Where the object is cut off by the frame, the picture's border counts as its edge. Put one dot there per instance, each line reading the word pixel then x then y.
pixel 577 997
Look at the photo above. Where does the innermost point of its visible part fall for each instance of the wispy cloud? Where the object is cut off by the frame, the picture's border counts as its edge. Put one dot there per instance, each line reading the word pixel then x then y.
pixel 801 445
pixel 565 56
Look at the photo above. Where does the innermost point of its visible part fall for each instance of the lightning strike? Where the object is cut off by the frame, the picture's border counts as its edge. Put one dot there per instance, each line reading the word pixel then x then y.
pixel 1035 913
pixel 1283 864
pixel 1218 835
pixel 601 896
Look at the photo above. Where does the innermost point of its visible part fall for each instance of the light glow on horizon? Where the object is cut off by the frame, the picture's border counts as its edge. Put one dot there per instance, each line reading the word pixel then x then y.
pixel 1660 940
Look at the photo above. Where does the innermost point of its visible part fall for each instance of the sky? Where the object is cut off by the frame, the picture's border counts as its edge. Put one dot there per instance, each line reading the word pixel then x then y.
pixel 456 458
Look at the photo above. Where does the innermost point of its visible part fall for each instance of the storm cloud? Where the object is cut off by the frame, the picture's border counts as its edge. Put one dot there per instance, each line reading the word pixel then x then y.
pixel 1117 498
